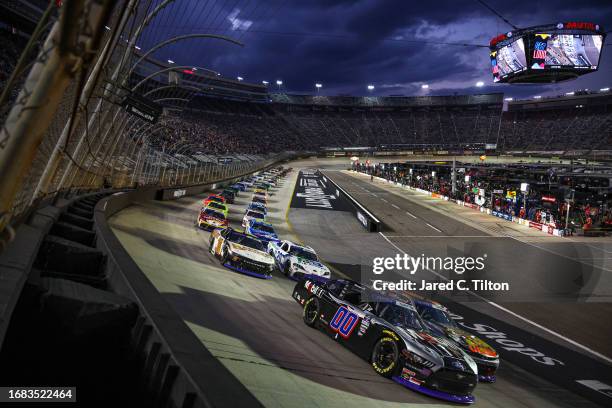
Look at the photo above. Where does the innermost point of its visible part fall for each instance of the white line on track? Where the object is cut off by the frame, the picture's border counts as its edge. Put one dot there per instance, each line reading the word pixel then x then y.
pixel 431 226
pixel 382 199
pixel 395 206
pixel 410 214
pixel 450 236
pixel 510 312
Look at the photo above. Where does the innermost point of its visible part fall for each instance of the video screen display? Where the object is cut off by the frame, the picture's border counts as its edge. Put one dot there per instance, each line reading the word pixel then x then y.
pixel 573 50
pixel 511 58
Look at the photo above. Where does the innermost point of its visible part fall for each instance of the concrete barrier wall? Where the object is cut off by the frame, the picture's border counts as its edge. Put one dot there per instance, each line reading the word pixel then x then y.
pixel 364 216
pixel 177 367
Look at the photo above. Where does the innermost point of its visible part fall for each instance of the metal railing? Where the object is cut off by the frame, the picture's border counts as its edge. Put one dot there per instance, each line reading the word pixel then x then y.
pixel 66 130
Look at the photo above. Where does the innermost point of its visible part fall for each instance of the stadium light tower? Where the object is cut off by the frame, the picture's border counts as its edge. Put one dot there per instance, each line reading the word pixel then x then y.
pixel 604 89
pixel 479 84
pixel 240 78
pixel 370 87
pixel 425 86
pixel 265 83
pixel 279 83
pixel 318 86
pixel 170 61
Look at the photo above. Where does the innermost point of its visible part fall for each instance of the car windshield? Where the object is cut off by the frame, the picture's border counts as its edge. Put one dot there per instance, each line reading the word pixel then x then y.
pixel 400 314
pixel 228 192
pixel 254 214
pixel 215 204
pixel 245 240
pixel 303 253
pixel 435 315
pixel 213 198
pixel 213 213
pixel 264 228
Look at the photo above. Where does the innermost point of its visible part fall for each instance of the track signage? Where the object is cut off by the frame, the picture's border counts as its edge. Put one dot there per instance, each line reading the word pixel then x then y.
pixel 314 191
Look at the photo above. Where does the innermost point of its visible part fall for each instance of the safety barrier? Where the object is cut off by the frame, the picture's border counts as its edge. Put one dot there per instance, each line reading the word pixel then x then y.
pixel 365 217
pixel 178 369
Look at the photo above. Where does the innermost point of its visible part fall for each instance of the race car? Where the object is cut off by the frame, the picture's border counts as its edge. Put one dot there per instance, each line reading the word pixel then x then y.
pixel 229 195
pixel 241 252
pixel 222 208
pixel 259 207
pixel 440 322
pixel 259 191
pixel 233 188
pixel 296 260
pixel 252 215
pixel 239 186
pixel 209 218
pixel 264 231
pixel 259 199
pixel 213 197
pixel 390 335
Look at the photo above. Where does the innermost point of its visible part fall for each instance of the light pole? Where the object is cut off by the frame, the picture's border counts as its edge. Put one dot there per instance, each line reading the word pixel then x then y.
pixel 318 86
pixel 279 83
pixel 569 203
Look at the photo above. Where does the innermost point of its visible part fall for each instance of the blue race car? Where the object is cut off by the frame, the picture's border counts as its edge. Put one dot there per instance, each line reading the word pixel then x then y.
pixel 264 231
pixel 259 207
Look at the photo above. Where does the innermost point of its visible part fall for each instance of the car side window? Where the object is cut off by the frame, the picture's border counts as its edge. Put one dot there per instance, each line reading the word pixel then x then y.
pixel 285 247
pixel 335 287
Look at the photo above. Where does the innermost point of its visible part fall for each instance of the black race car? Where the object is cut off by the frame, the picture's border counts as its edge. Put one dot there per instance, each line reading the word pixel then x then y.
pixel 229 195
pixel 389 334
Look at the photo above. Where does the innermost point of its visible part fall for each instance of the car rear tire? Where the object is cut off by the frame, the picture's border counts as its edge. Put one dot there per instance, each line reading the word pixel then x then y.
pixel 311 311
pixel 286 269
pixel 385 357
pixel 210 247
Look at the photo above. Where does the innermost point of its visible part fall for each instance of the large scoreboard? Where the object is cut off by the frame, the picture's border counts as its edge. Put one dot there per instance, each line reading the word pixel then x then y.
pixel 548 53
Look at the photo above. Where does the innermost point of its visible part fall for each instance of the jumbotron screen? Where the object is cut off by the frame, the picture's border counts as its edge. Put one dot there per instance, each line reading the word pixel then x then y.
pixel 509 59
pixel 547 53
pixel 566 50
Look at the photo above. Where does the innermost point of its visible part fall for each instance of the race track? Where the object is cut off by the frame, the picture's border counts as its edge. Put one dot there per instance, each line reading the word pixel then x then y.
pixel 255 328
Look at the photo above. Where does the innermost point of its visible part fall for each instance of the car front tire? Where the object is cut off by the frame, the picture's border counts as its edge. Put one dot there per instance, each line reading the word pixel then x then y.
pixel 385 357
pixel 312 309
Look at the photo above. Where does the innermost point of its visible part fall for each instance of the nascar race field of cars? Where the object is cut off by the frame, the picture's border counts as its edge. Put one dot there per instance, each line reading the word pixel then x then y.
pixel 409 339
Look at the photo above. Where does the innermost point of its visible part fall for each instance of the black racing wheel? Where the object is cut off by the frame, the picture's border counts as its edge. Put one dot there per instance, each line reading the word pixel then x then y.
pixel 311 311
pixel 385 357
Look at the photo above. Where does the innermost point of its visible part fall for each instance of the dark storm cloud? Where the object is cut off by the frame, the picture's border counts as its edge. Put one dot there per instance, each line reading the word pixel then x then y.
pixel 348 44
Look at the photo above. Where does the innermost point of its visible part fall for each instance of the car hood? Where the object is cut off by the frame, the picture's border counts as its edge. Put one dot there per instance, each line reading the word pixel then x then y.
pixel 438 350
pixel 251 253
pixel 313 267
pixel 470 342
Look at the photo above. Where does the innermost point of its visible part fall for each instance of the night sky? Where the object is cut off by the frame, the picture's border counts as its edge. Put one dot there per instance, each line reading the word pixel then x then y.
pixel 346 45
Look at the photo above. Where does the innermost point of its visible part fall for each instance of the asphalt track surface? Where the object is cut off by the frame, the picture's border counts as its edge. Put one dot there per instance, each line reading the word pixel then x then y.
pixel 255 328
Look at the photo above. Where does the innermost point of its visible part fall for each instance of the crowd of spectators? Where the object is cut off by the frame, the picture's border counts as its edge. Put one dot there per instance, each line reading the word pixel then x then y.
pixel 225 126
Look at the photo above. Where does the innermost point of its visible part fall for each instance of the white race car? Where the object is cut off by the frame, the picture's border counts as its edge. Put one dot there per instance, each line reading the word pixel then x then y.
pixel 242 253
pixel 252 215
pixel 295 260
